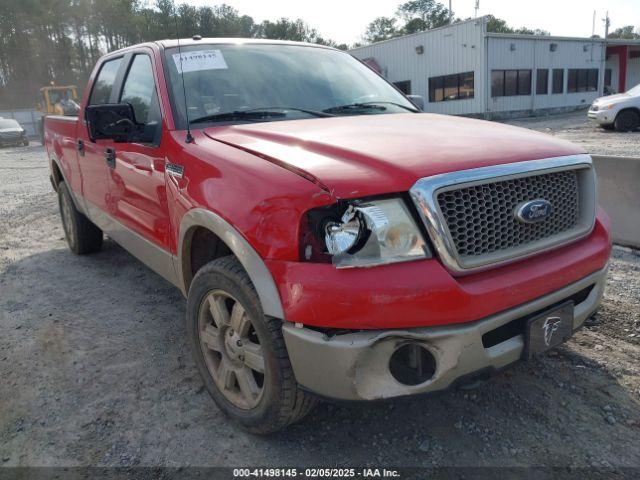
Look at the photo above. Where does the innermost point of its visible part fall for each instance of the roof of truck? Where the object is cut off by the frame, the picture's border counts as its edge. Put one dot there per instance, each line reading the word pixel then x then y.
pixel 184 42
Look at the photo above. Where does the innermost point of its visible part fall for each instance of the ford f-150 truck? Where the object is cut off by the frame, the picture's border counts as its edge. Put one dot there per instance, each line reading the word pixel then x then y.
pixel 332 240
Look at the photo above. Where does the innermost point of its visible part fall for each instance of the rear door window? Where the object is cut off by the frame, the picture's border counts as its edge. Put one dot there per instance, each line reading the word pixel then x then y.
pixel 103 85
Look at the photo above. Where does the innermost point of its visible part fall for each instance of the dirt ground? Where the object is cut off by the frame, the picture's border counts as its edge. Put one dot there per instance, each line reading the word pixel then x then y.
pixel 577 128
pixel 95 370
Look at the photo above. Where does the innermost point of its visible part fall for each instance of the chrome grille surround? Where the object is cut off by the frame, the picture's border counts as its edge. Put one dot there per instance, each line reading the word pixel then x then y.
pixel 500 243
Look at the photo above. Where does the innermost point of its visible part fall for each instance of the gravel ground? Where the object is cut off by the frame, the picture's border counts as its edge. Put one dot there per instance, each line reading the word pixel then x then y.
pixel 95 370
pixel 577 128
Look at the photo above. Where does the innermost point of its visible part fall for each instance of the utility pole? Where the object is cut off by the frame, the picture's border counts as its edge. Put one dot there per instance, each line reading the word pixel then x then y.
pixel 477 8
pixel 603 61
pixel 450 14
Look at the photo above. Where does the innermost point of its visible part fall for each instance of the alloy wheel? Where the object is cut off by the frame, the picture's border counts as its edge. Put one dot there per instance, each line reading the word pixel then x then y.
pixel 231 349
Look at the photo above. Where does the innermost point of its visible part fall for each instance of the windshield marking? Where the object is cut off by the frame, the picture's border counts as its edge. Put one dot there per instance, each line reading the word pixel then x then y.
pixel 200 60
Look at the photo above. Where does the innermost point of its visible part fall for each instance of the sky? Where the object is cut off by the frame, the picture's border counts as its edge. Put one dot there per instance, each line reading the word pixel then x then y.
pixel 346 20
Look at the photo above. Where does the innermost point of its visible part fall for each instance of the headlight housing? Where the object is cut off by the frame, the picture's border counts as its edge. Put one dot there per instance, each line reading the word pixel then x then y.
pixel 364 233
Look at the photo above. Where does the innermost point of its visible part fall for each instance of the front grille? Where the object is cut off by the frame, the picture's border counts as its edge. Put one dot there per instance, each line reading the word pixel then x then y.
pixel 481 217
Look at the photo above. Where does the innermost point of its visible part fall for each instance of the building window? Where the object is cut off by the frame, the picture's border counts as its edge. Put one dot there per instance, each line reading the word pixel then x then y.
pixel 404 86
pixel 607 77
pixel 451 87
pixel 558 81
pixel 582 80
pixel 508 83
pixel 542 81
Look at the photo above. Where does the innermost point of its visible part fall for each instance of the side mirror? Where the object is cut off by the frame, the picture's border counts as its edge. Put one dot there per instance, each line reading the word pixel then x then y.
pixel 116 121
pixel 417 100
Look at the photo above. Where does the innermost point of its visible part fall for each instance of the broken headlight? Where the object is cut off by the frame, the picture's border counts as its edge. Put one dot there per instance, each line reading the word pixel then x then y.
pixel 364 234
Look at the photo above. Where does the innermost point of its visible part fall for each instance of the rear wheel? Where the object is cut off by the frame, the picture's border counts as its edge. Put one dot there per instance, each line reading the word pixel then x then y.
pixel 82 235
pixel 240 352
pixel 627 121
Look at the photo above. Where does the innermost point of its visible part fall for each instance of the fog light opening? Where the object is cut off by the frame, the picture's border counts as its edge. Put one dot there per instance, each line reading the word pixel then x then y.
pixel 412 364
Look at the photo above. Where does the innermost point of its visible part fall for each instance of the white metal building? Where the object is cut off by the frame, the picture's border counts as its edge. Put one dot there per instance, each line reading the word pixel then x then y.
pixel 461 69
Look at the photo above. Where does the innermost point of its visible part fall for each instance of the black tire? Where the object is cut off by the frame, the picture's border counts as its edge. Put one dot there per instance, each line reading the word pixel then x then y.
pixel 627 121
pixel 281 401
pixel 82 235
pixel 25 143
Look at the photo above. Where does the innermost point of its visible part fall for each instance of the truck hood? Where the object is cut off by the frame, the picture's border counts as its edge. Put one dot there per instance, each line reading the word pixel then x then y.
pixel 355 156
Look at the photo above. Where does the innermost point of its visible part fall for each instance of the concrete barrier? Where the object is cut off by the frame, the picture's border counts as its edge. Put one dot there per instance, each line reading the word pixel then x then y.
pixel 619 195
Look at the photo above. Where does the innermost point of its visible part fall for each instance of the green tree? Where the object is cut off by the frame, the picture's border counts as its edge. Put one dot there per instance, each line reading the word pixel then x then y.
pixel 285 29
pixel 382 28
pixel 423 15
pixel 498 25
pixel 628 32
pixel 60 41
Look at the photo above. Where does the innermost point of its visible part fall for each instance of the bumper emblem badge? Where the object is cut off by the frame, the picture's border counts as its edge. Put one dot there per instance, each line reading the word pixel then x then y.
pixel 549 326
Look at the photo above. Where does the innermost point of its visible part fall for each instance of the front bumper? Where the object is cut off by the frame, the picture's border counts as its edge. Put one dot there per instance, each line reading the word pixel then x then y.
pixel 12 141
pixel 355 366
pixel 602 117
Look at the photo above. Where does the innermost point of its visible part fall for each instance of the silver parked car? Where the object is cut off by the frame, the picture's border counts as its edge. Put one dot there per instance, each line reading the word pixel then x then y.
pixel 621 111
pixel 12 133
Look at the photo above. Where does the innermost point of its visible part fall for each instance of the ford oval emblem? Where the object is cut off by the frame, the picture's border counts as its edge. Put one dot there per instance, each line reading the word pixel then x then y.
pixel 533 211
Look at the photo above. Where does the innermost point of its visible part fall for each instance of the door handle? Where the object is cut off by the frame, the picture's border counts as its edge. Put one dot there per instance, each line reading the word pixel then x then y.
pixel 80 147
pixel 110 157
pixel 142 167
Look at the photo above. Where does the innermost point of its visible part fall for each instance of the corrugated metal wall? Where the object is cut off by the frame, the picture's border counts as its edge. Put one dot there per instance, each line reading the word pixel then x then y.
pixel 515 53
pixel 633 72
pixel 613 62
pixel 454 49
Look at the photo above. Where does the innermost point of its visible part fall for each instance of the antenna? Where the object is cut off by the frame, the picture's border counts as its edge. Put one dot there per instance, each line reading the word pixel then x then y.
pixel 188 138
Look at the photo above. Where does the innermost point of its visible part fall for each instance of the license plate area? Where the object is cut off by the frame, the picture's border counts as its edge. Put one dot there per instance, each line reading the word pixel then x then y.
pixel 548 330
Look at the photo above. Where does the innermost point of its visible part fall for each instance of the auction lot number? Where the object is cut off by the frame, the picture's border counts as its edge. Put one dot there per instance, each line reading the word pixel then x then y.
pixel 314 473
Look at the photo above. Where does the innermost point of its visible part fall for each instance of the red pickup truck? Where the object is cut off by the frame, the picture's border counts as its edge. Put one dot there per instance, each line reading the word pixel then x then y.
pixel 331 239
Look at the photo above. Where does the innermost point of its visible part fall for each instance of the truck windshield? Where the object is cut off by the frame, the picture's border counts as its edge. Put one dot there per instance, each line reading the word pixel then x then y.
pixel 274 82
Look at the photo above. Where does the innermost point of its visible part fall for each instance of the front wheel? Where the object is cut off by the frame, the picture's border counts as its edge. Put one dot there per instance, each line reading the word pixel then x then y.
pixel 627 121
pixel 240 352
